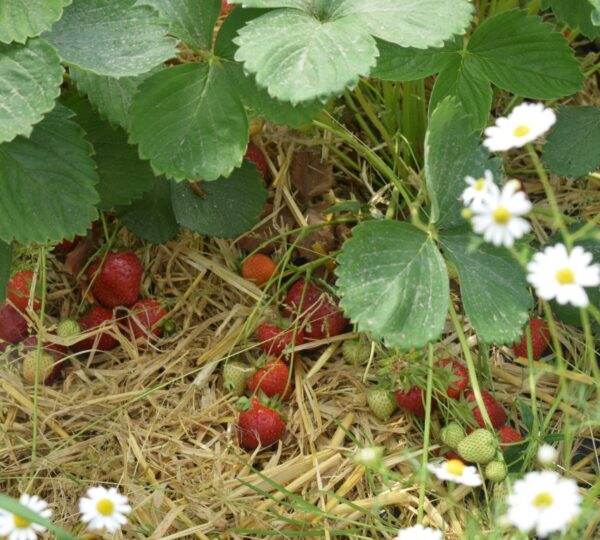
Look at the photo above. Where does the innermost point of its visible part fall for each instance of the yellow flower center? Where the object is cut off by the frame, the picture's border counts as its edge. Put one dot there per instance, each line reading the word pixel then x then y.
pixel 565 276
pixel 105 507
pixel 20 523
pixel 466 213
pixel 479 184
pixel 521 131
pixel 501 215
pixel 455 467
pixel 543 500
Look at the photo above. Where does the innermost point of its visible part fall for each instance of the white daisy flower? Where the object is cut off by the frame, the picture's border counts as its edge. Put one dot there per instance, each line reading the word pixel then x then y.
pixel 456 471
pixel 477 188
pixel 544 502
pixel 546 454
pixel 524 124
pixel 418 532
pixel 498 216
pixel 104 509
pixel 556 273
pixel 13 527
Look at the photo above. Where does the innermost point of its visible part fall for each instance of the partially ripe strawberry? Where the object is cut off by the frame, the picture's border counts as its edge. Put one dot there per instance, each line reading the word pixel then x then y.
pixel 508 435
pixel 96 318
pixel 256 156
pixel 258 268
pixel 259 425
pixel 18 290
pixel 275 339
pixel 47 367
pixel 13 326
pixel 495 411
pixel 457 376
pixel 273 380
pixel 144 318
pixel 540 338
pixel 118 282
pixel 56 350
pixel 316 308
pixel 412 401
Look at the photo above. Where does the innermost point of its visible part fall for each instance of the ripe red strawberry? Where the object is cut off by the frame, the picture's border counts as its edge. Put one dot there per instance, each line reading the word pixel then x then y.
pixel 273 380
pixel 118 282
pixel 258 268
pixel 259 425
pixel 18 290
pixel 226 8
pixel 456 376
pixel 540 338
pixel 256 156
pixel 495 411
pixel 508 435
pixel 274 339
pixel 66 246
pixel 13 326
pixel 314 306
pixel 412 400
pixel 97 317
pixel 144 318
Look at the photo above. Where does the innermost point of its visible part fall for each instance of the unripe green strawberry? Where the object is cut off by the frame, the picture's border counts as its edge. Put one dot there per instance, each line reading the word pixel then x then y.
pixel 452 434
pixel 68 328
pixel 381 402
pixel 235 375
pixel 496 471
pixel 356 351
pixel 478 447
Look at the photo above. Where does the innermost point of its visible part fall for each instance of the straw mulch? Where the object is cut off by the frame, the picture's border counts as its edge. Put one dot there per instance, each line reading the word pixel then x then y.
pixel 158 423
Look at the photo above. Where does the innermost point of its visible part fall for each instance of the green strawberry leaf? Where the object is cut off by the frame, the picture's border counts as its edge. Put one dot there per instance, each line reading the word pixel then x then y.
pixel 30 78
pixel 123 176
pixel 493 286
pixel 117 38
pixel 22 19
pixel 227 208
pixel 237 19
pixel 299 57
pixel 151 217
pixel 462 80
pixel 258 100
pixel 573 147
pixel 190 122
pixel 53 173
pixel 5 267
pixel 14 507
pixel 110 96
pixel 191 21
pixel 396 63
pixel 412 23
pixel 393 283
pixel 315 49
pixel 522 54
pixel 576 13
pixel 595 12
pixel 452 152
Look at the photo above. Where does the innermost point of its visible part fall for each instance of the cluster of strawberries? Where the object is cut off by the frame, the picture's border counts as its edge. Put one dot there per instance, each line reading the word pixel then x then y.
pixel 115 283
pixel 309 313
pixel 473 444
